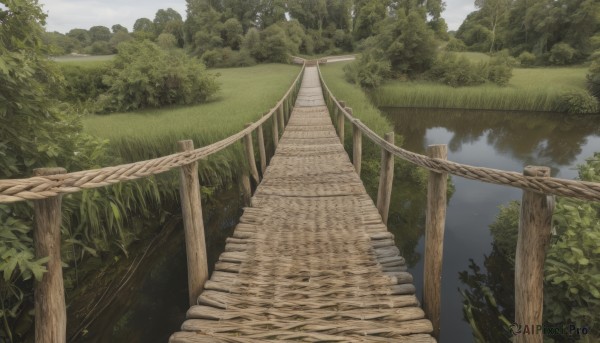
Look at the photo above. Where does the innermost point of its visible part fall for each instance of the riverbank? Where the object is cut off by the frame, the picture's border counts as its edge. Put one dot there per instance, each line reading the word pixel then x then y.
pixel 530 89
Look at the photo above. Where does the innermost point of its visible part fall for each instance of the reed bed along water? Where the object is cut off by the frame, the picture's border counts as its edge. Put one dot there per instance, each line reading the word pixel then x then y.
pixel 535 89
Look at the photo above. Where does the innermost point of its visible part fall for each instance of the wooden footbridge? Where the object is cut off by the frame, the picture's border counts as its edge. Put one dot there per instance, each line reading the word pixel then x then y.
pixel 311 259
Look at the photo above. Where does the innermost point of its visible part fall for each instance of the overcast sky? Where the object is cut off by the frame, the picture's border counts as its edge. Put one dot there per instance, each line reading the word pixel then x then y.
pixel 64 15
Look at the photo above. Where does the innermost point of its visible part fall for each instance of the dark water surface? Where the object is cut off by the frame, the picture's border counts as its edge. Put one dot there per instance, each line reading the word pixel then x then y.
pixel 501 140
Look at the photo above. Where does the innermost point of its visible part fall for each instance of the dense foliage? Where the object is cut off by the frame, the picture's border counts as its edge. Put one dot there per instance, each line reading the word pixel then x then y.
pixel 556 32
pixel 572 271
pixel 144 75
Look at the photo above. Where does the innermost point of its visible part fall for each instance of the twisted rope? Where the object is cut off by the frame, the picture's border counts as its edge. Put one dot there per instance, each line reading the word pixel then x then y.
pixel 545 185
pixel 41 187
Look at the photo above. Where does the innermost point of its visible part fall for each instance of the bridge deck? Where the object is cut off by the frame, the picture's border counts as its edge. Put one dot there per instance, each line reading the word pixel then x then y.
pixel 311 259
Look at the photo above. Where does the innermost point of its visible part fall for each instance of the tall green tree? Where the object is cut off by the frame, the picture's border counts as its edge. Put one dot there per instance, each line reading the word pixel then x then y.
pixel 99 34
pixel 271 12
pixel 163 17
pixel 368 14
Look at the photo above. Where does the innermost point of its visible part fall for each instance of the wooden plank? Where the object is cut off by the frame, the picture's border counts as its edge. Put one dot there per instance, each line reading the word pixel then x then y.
pixel 386 178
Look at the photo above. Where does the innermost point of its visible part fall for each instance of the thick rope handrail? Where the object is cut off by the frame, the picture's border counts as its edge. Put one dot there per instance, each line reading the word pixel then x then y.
pixel 41 187
pixel 546 185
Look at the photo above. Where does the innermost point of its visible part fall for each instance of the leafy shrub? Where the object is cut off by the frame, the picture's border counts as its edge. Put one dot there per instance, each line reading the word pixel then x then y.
pixel 367 71
pixel 83 82
pixel 578 101
pixel 593 77
pixel 561 54
pixel 499 69
pixel 166 41
pixel 227 58
pixel 527 59
pixel 455 44
pixel 144 75
pixel 99 48
pixel 455 71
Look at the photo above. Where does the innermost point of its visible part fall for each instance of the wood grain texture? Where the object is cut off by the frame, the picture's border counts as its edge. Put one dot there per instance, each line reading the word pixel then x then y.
pixel 261 149
pixel 275 131
pixel 246 188
pixel 193 224
pixel 356 148
pixel 341 126
pixel 434 239
pixel 386 178
pixel 535 225
pixel 49 293
pixel 249 148
pixel 280 119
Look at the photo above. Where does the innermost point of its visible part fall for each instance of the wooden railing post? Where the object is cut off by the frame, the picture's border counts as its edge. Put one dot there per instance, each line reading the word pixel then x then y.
pixel 275 130
pixel 250 154
pixel 246 188
pixel 535 225
pixel 340 124
pixel 191 207
pixel 49 293
pixel 386 178
pixel 356 146
pixel 281 119
pixel 261 149
pixel 434 239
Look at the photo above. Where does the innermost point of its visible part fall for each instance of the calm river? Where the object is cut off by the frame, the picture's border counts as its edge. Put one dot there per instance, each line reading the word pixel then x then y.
pixel 501 140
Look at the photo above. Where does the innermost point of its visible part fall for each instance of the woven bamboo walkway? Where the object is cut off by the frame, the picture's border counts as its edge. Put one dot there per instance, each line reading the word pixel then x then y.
pixel 311 259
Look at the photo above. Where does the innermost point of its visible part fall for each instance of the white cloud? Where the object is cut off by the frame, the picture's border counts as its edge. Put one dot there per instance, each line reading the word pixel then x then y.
pixel 456 12
pixel 64 15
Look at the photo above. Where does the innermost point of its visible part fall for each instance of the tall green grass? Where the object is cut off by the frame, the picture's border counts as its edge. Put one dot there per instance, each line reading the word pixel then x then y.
pixel 539 89
pixel 246 94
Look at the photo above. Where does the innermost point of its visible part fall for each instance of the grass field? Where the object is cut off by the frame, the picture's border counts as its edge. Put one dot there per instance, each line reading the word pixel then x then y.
pixel 246 93
pixel 83 59
pixel 531 89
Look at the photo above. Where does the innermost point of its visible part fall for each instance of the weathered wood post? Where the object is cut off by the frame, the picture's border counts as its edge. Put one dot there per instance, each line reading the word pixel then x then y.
pixel 386 178
pixel 246 188
pixel 275 129
pixel 250 154
pixel 338 113
pixel 261 149
pixel 535 225
pixel 356 146
pixel 191 206
pixel 434 239
pixel 340 123
pixel 49 293
pixel 281 120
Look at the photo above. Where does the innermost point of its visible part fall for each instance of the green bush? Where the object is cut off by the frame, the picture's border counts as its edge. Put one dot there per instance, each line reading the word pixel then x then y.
pixel 144 75
pixel 83 82
pixel 367 71
pixel 578 101
pixel 455 71
pixel 227 58
pixel 561 54
pixel 527 59
pixel 499 69
pixel 455 44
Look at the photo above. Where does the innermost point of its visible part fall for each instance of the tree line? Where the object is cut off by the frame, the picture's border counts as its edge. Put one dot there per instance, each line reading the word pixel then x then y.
pixel 558 32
